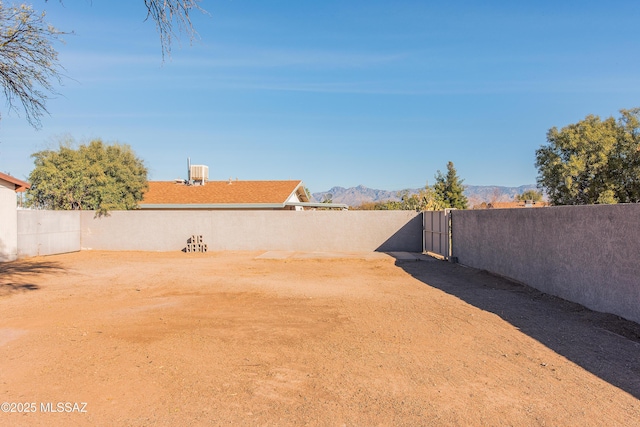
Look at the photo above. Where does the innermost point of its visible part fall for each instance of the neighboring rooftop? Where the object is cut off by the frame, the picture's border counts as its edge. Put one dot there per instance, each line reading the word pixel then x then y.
pixel 223 194
pixel 520 204
pixel 19 184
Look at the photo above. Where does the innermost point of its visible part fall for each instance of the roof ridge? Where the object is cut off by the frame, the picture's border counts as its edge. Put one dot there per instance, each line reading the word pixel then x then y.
pixel 252 192
pixel 20 184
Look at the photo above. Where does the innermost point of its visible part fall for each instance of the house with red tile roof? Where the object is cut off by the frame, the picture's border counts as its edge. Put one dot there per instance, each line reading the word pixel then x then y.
pixel 519 204
pixel 12 183
pixel 239 195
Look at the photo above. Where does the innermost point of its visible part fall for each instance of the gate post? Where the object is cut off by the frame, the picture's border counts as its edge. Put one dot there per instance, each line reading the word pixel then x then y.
pixel 449 243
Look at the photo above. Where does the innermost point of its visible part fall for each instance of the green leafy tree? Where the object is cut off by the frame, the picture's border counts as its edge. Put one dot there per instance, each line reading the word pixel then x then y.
pixel 425 199
pixel 29 66
pixel 533 195
pixel 624 162
pixel 328 198
pixel 448 189
pixel 388 205
pixel 592 161
pixel 96 176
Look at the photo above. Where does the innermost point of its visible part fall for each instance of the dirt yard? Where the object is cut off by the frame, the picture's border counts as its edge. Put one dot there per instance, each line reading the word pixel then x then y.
pixel 142 339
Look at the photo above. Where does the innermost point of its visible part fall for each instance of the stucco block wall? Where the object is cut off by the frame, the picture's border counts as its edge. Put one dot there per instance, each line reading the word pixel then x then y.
pixel 255 230
pixel 8 222
pixel 48 232
pixel 586 254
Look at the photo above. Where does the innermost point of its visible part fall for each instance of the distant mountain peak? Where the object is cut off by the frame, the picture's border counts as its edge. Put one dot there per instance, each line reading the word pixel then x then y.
pixel 476 194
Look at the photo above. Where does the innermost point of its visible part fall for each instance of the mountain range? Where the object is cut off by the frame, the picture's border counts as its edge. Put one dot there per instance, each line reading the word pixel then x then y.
pixel 476 194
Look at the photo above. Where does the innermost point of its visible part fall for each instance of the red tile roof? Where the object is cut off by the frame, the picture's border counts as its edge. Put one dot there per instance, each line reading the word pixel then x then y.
pixel 512 205
pixel 19 185
pixel 220 192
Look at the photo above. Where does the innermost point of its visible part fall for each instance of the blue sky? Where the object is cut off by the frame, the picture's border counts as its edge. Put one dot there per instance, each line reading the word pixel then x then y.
pixel 378 93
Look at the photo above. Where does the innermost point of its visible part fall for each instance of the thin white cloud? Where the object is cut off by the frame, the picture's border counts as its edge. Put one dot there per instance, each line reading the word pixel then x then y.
pixel 236 58
pixel 296 58
pixel 434 87
pixel 77 59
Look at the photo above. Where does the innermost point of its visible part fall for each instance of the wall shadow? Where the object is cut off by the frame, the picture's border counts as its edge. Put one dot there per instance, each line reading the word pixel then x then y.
pixel 606 345
pixel 407 239
pixel 18 276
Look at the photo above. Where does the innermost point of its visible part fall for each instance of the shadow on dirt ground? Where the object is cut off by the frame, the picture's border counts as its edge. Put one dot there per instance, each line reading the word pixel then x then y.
pixel 604 344
pixel 17 276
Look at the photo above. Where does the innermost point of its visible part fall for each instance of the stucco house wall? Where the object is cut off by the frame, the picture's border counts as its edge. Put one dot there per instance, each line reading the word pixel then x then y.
pixel 8 222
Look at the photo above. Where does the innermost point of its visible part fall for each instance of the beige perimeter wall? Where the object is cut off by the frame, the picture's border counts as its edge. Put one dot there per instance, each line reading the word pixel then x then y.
pixel 586 254
pixel 43 232
pixel 255 230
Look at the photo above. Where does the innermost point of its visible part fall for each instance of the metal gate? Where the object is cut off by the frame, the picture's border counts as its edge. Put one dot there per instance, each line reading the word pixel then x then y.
pixel 436 234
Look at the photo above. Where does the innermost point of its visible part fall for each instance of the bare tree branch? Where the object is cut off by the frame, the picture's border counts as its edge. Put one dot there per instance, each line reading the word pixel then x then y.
pixel 172 17
pixel 29 65
pixel 28 61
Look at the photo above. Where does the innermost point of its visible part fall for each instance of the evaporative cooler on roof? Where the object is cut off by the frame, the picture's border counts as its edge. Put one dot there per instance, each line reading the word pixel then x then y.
pixel 199 173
